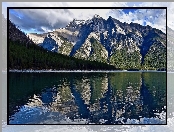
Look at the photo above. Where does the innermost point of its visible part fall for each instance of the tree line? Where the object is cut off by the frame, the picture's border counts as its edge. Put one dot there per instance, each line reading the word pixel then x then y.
pixel 31 56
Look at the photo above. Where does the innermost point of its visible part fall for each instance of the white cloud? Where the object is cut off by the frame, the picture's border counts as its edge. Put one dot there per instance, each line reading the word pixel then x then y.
pixel 57 18
pixel 152 17
pixel 170 12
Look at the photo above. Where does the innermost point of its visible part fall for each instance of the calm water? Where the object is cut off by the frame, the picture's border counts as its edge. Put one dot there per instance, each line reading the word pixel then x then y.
pixel 91 98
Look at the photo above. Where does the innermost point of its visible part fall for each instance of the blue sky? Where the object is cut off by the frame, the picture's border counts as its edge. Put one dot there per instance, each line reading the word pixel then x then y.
pixel 47 20
pixel 17 14
pixel 131 4
pixel 129 10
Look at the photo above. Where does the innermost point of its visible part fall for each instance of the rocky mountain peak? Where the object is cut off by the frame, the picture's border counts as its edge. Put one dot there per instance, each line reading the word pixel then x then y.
pixel 96 16
pixel 112 40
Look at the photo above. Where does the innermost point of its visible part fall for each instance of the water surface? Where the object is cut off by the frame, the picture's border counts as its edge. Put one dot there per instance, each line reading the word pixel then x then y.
pixel 87 98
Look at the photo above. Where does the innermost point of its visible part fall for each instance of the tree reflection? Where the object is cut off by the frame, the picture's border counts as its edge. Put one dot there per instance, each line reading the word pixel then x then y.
pixel 98 97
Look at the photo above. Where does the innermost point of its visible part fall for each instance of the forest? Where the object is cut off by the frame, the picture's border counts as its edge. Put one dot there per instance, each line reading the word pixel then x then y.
pixel 31 56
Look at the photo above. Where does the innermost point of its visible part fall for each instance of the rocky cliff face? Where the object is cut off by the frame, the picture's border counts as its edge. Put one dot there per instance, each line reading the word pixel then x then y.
pixel 37 38
pixel 123 45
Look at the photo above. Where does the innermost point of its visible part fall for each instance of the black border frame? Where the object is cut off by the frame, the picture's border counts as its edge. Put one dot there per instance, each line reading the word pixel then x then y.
pixel 8 8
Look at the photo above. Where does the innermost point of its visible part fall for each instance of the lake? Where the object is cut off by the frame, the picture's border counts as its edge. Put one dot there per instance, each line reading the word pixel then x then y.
pixel 87 98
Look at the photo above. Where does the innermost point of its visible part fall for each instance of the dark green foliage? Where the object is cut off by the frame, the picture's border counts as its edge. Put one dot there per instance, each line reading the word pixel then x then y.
pixel 62 38
pixel 98 52
pixel 93 52
pixel 124 60
pixel 92 39
pixel 65 48
pixel 24 54
pixel 35 57
pixel 155 59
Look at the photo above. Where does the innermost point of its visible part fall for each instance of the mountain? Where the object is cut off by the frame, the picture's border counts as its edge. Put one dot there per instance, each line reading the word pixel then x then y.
pixel 123 45
pixel 15 34
pixel 25 54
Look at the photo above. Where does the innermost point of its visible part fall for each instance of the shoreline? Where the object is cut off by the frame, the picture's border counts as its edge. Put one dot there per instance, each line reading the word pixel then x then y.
pixel 69 71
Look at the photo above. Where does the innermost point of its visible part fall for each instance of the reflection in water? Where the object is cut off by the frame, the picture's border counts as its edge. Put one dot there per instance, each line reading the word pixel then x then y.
pixel 99 98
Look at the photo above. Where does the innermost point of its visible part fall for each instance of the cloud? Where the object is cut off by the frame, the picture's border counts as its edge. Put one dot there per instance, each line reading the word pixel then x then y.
pixel 170 10
pixel 45 20
pixel 152 17
pixel 50 19
pixel 37 18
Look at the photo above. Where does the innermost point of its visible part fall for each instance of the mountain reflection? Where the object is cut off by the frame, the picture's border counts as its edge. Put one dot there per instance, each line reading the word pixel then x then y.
pixel 108 98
